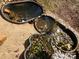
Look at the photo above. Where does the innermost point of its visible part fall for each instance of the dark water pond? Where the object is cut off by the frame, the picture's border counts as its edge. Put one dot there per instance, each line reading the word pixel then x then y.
pixel 21 12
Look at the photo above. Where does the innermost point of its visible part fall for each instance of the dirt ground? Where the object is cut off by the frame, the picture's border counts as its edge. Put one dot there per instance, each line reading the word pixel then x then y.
pixel 15 35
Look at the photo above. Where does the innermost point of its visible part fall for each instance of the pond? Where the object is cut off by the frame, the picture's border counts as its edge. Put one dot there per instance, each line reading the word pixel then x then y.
pixel 21 12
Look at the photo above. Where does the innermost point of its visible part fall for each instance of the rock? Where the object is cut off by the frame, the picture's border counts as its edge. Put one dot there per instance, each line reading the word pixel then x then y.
pixel 2 38
pixel 7 11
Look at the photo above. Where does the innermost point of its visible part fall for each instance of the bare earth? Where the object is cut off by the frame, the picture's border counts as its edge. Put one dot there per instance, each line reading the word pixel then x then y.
pixel 15 35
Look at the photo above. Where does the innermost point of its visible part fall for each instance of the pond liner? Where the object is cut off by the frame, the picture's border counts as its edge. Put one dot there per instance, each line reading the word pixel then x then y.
pixel 49 22
pixel 43 54
pixel 71 35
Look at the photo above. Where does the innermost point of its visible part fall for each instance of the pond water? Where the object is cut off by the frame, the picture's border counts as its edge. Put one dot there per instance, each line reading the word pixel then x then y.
pixel 21 12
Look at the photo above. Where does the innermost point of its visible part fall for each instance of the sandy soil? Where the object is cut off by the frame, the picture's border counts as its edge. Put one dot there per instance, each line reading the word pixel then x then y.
pixel 15 35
